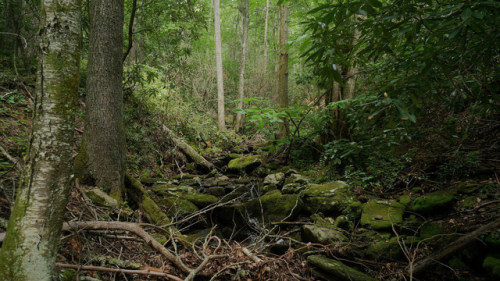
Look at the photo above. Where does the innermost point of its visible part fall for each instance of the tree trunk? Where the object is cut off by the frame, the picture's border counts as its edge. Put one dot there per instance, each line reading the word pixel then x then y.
pixel 218 57
pixel 266 23
pixel 282 97
pixel 244 9
pixel 32 239
pixel 102 156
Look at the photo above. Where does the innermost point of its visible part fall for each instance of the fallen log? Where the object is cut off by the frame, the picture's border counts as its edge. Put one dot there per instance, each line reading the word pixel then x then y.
pixel 457 245
pixel 188 150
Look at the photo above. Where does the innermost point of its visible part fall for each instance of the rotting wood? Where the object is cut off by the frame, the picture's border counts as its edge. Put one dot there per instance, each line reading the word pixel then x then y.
pixel 452 247
pixel 119 270
pixel 188 150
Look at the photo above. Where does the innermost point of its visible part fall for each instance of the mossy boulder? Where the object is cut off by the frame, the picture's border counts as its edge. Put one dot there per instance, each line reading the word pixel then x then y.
pixel 245 163
pixel 218 191
pixel 274 206
pixel 381 214
pixel 267 188
pixel 492 265
pixel 172 189
pixel 322 235
pixel 292 188
pixel 177 206
pixel 100 198
pixel 431 229
pixel 328 198
pixel 338 270
pixel 297 178
pixel 275 179
pixel 201 200
pixel 432 202
pixel 386 249
pixel 151 181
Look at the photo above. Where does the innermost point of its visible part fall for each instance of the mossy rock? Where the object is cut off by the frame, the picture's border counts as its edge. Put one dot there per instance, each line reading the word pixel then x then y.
pixel 270 187
pixel 274 206
pixel 337 269
pixel 200 200
pixel 469 202
pixel 381 214
pixel 246 163
pixel 151 181
pixel 328 198
pixel 405 199
pixel 322 235
pixel 275 179
pixel 177 206
pixel 172 189
pixel 493 239
pixel 468 188
pixel 384 249
pixel 431 229
pixel 292 188
pixel 297 178
pixel 492 265
pixel 100 198
pixel 432 202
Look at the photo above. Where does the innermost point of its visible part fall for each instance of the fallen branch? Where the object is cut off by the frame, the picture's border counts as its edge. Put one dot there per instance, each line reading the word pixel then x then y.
pixel 188 150
pixel 118 270
pixel 10 158
pixel 453 247
pixel 251 255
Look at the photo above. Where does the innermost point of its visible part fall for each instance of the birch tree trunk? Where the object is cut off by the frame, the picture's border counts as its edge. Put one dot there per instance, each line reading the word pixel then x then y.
pixel 32 239
pixel 282 97
pixel 101 160
pixel 244 9
pixel 266 23
pixel 218 57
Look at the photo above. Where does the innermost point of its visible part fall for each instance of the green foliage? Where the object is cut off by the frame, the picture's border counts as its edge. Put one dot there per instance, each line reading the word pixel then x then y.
pixel 460 163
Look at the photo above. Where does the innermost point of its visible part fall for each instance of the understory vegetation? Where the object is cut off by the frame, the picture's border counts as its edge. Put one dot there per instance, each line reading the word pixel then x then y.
pixel 388 168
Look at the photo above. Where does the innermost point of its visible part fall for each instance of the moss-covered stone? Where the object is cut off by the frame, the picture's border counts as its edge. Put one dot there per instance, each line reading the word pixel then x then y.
pixel 492 264
pixel 201 200
pixel 247 163
pixel 172 189
pixel 150 181
pixel 332 197
pixel 405 199
pixel 297 178
pixel 218 191
pixel 432 201
pixel 468 188
pixel 100 198
pixel 275 179
pixel 384 249
pixel 431 229
pixel 322 235
pixel 381 214
pixel 177 206
pixel 267 188
pixel 292 188
pixel 338 270
pixel 274 206
pixel 469 202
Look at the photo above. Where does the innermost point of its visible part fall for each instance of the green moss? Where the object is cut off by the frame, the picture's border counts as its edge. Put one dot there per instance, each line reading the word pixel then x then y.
pixel 171 189
pixel 100 198
pixel 201 200
pixel 333 197
pixel 153 211
pixel 337 269
pixel 469 202
pixel 67 275
pixel 492 264
pixel 405 199
pixel 432 201
pixel 431 229
pixel 381 214
pixel 274 206
pixel 245 162
pixel 322 235
pixel 387 249
pixel 457 263
pixel 177 206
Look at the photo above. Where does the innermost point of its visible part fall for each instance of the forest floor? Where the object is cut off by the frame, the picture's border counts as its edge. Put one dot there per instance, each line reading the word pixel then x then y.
pixel 254 218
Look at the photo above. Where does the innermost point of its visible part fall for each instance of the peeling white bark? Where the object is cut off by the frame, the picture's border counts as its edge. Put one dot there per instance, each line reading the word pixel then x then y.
pixel 32 239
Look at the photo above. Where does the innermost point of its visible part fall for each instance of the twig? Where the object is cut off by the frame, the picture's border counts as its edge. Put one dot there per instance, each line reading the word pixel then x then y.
pixel 10 158
pixel 251 255
pixel 118 270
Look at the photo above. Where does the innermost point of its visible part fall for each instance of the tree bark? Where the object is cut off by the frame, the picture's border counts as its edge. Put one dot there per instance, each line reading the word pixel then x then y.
pixel 282 97
pixel 32 239
pixel 244 9
pixel 266 24
pixel 102 156
pixel 218 57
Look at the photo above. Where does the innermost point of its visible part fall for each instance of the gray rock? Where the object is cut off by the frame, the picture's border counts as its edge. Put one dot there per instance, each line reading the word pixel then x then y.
pixel 275 179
